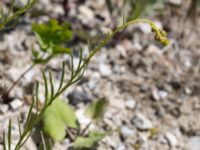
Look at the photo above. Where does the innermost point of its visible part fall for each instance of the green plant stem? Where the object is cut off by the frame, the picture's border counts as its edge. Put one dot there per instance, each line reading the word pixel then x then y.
pixel 103 43
pixel 75 77
pixel 18 13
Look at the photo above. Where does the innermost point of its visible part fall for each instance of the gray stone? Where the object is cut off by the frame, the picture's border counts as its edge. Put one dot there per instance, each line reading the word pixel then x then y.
pixel 91 85
pixel 76 97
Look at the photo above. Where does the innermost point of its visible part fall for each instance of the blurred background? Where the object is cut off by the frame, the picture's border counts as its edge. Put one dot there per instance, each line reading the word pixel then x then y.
pixel 153 91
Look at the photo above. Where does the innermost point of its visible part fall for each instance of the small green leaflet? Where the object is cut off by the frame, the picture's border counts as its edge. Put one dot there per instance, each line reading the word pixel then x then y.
pixel 97 109
pixel 52 38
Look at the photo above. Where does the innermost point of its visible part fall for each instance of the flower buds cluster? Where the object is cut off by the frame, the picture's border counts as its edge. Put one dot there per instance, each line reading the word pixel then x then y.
pixel 160 35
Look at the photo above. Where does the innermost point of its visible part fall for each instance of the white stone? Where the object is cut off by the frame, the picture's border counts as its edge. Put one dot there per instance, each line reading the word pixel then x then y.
pixel 127 132
pixel 58 9
pixel 30 145
pixel 145 27
pixel 137 46
pixel 3 108
pixel 121 147
pixel 162 94
pixel 194 143
pixel 29 75
pixel 80 114
pixel 16 103
pixel 153 49
pixel 155 94
pixel 13 73
pixel 112 143
pixel 92 85
pixel 172 140
pixel 141 122
pixel 86 13
pixel 105 70
pixel 121 50
pixel 76 62
pixel 175 2
pixel 130 104
pixel 143 141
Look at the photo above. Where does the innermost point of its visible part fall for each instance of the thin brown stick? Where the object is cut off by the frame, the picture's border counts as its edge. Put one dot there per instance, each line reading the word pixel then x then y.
pixel 85 129
pixel 192 12
pixel 20 77
pixel 70 134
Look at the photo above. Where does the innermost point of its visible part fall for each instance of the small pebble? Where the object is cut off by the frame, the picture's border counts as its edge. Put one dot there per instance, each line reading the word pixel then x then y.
pixel 83 120
pixel 91 85
pixel 162 94
pixel 86 14
pixel 194 143
pixel 126 132
pixel 172 140
pixel 141 122
pixel 153 49
pixel 16 103
pixel 175 2
pixel 105 70
pixel 76 97
pixel 121 147
pixel 130 104
pixel 3 108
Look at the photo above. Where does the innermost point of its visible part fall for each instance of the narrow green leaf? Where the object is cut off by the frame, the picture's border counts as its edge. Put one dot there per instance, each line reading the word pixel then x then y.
pixel 29 117
pixel 37 96
pixel 45 145
pixel 51 84
pixel 72 65
pixel 9 135
pixel 46 88
pixel 19 127
pixel 11 8
pixel 62 76
pixel 80 61
pixel 4 141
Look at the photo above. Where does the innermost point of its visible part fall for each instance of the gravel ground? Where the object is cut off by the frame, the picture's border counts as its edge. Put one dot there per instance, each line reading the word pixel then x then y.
pixel 153 92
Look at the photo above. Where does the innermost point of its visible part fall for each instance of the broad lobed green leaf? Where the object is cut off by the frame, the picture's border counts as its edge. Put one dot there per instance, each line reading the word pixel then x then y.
pixel 56 118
